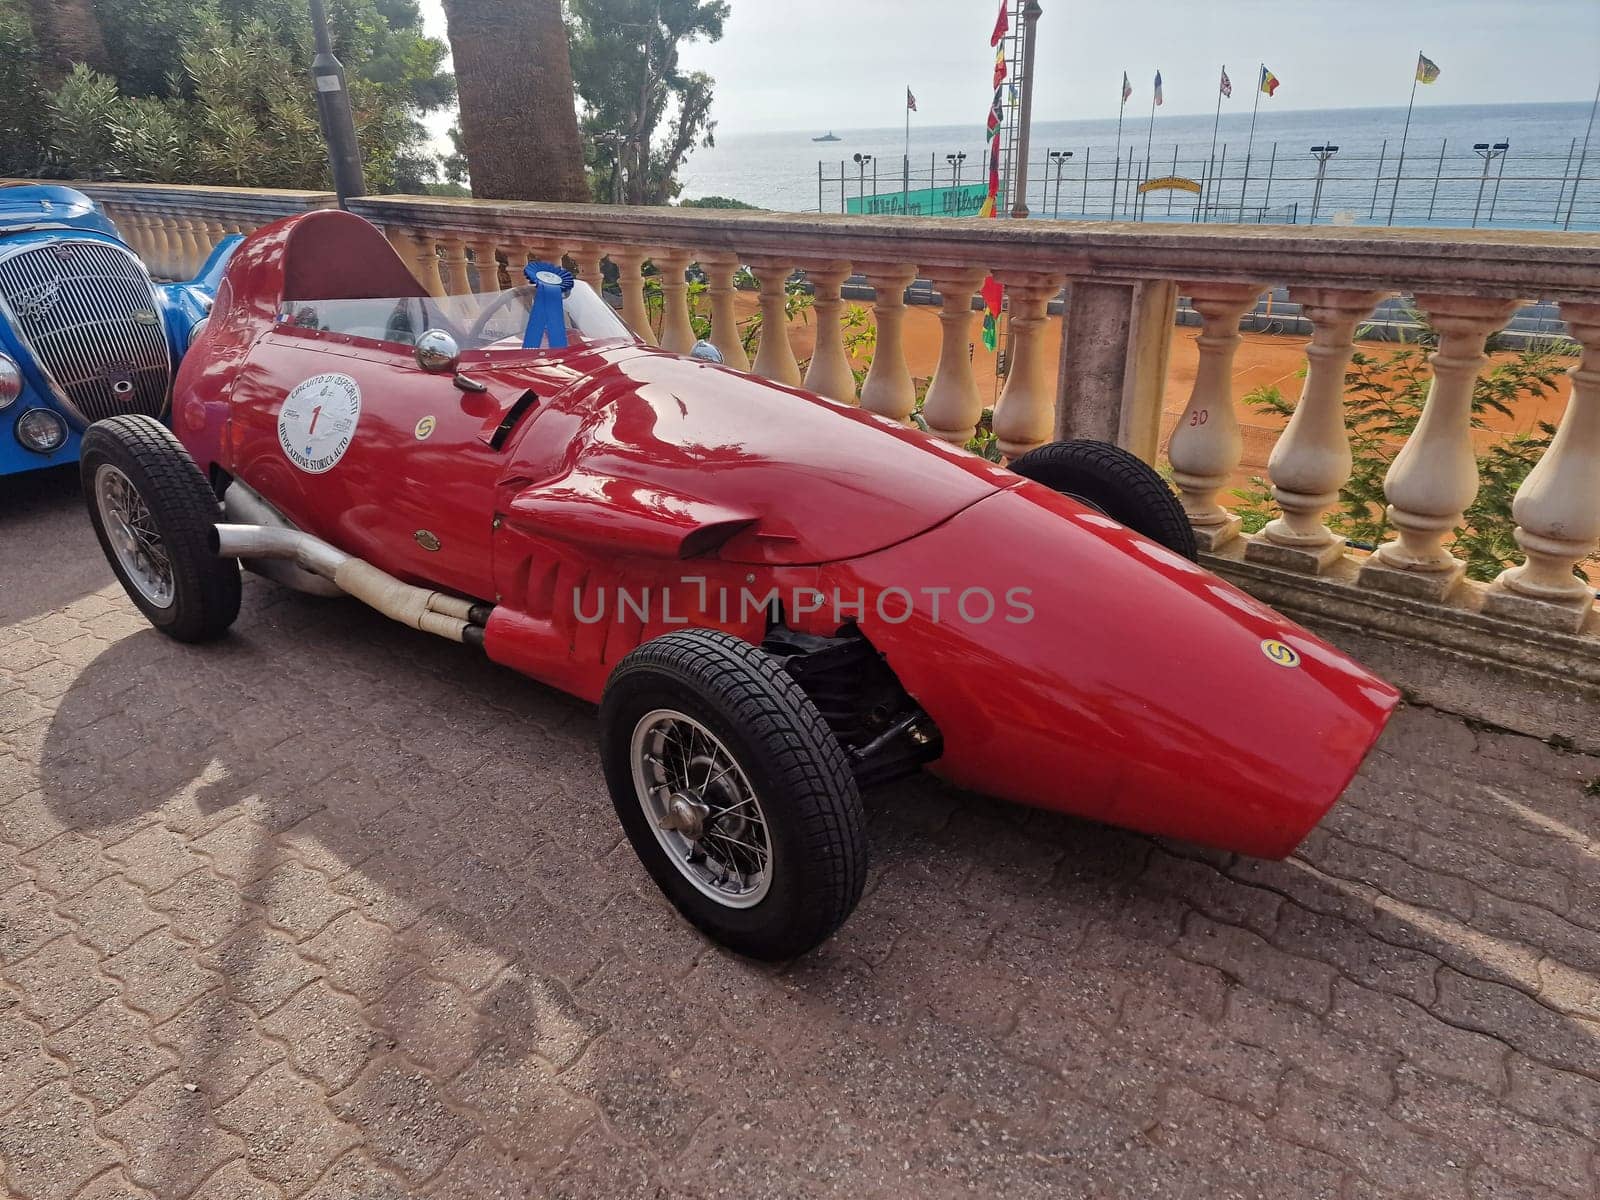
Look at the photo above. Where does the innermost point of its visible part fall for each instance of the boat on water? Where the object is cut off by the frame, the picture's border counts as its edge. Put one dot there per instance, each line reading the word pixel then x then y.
pixel 830 136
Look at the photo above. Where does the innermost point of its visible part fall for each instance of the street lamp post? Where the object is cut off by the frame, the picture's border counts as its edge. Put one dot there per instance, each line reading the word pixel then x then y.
pixel 1488 152
pixel 1323 154
pixel 955 161
pixel 1031 13
pixel 333 110
pixel 861 173
pixel 1059 158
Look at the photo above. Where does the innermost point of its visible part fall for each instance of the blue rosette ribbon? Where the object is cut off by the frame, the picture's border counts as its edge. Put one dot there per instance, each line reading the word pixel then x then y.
pixel 547 320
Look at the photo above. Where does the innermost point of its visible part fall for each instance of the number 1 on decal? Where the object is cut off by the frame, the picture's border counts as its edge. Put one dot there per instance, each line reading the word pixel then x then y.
pixel 315 413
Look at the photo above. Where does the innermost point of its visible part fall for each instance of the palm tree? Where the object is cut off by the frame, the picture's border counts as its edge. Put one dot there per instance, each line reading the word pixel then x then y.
pixel 68 32
pixel 518 122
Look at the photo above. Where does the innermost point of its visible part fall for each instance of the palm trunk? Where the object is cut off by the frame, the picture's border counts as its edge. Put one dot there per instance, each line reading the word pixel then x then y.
pixel 68 32
pixel 518 124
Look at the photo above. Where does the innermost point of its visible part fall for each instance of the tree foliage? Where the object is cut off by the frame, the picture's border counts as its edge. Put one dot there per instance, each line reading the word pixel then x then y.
pixel 217 92
pixel 643 115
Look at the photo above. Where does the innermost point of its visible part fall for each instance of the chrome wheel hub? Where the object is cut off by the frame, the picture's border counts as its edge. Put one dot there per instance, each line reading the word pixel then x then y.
pixel 702 808
pixel 133 535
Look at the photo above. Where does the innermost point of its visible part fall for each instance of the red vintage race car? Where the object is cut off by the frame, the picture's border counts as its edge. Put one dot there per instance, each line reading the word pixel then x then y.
pixel 776 600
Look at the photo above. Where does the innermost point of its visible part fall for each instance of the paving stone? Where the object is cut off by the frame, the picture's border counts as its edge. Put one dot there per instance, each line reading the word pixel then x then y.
pixel 361 956
pixel 519 1098
pixel 155 858
pixel 170 1139
pixel 235 1182
pixel 219 1045
pixel 1258 964
pixel 326 1037
pixel 290 1137
pixel 111 916
pixel 159 974
pixel 28 919
pixel 111 1054
pixel 262 967
pixel 1409 1030
pixel 60 982
pixel 297 899
pixel 25 1062
pixel 204 908
pixel 357 1177
pixel 408 1125
pixel 49 1145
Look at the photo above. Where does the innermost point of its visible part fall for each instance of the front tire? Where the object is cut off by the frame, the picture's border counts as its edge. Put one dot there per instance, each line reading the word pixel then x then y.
pixel 1111 480
pixel 153 512
pixel 735 794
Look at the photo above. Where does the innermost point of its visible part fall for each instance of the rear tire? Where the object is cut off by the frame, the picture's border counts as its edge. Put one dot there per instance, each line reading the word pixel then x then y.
pixel 709 746
pixel 1121 485
pixel 153 512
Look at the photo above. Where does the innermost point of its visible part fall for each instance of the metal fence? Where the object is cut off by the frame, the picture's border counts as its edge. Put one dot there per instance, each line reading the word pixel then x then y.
pixel 1443 184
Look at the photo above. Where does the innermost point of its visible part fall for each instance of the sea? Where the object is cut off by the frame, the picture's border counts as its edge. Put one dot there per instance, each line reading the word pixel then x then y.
pixel 1526 176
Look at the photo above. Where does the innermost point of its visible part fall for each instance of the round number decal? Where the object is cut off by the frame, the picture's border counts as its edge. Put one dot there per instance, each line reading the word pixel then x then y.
pixel 318 422
pixel 1281 653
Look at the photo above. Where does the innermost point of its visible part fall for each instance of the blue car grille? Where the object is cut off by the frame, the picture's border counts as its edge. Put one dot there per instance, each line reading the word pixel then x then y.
pixel 90 316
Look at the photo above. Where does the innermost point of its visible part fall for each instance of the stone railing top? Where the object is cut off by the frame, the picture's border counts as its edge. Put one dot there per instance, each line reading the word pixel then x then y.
pixel 1498 262
pixel 184 200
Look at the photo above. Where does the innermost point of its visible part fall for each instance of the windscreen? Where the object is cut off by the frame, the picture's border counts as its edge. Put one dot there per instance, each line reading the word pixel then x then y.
pixel 492 321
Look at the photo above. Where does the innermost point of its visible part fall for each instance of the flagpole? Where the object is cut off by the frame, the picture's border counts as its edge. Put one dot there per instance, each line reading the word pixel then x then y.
pixel 1150 138
pixel 1211 161
pixel 1116 171
pixel 1244 186
pixel 1401 162
pixel 1582 158
pixel 905 163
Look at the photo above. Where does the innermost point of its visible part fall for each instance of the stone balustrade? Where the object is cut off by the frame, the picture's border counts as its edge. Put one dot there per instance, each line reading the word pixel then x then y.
pixel 1121 284
pixel 175 227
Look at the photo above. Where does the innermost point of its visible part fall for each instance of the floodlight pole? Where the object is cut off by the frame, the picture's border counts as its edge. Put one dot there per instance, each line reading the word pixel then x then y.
pixel 1031 13
pixel 333 110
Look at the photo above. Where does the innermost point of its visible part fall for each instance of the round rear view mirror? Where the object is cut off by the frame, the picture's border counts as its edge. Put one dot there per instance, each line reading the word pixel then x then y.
pixel 437 351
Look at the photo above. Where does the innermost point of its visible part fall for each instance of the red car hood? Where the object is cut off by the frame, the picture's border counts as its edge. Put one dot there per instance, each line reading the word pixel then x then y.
pixel 800 479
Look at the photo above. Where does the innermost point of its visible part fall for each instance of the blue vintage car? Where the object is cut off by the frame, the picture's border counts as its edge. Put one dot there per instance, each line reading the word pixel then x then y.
pixel 84 333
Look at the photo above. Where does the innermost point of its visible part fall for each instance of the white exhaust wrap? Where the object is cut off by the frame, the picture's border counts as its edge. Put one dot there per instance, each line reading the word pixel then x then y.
pixel 431 612
pixel 409 605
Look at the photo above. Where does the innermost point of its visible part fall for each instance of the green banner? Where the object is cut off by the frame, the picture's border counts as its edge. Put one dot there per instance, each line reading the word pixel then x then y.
pixel 964 201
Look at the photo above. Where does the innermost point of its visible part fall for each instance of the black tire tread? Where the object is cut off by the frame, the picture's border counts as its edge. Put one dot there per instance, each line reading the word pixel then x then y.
pixel 209 588
pixel 1146 502
pixel 809 765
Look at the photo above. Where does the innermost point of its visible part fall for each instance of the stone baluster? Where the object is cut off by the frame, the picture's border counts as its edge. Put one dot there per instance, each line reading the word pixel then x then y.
pixel 775 356
pixel 485 265
pixel 829 372
pixel 1206 444
pixel 629 262
pixel 720 271
pixel 160 242
pixel 953 406
pixel 215 232
pixel 453 265
pixel 588 258
pixel 1434 478
pixel 424 253
pixel 1312 461
pixel 1025 415
pixel 677 331
pixel 136 229
pixel 888 389
pixel 1557 508
pixel 193 253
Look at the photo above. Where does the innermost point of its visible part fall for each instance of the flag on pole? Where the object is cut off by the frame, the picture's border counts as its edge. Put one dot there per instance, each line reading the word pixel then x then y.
pixel 1269 82
pixel 1002 25
pixel 1127 88
pixel 999 66
pixel 911 101
pixel 1427 69
pixel 1158 87
pixel 1227 84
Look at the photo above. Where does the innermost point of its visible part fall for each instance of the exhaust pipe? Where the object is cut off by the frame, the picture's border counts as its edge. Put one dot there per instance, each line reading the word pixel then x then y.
pixel 431 612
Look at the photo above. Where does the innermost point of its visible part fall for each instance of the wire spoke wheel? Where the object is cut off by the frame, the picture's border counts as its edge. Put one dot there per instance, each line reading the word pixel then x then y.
pixel 133 535
pixel 701 806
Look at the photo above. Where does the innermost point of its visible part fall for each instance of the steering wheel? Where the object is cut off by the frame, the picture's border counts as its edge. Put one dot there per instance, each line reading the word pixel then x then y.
pixel 503 300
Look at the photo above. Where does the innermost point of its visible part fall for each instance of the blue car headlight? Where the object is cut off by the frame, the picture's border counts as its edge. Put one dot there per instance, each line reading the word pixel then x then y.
pixel 196 332
pixel 42 431
pixel 10 381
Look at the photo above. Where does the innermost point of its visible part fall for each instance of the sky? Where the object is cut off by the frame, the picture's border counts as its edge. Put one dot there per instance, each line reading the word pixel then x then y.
pixel 844 64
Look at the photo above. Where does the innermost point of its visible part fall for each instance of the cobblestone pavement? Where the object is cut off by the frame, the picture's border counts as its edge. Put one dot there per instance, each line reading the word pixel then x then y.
pixel 331 909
